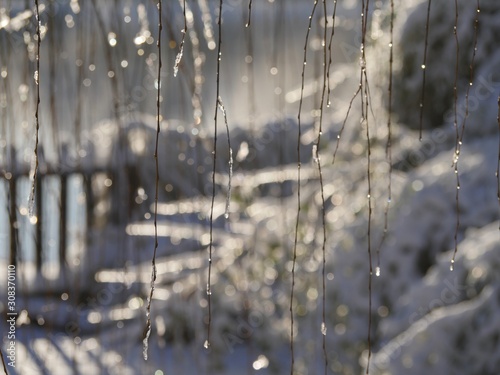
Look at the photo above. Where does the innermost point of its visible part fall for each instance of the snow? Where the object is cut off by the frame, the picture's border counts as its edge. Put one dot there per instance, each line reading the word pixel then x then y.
pixel 426 319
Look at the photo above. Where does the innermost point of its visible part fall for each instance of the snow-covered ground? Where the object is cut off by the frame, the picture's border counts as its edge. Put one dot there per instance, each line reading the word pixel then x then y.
pixel 426 318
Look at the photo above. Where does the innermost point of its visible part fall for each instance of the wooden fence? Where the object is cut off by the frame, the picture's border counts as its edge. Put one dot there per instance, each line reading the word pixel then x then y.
pixel 12 182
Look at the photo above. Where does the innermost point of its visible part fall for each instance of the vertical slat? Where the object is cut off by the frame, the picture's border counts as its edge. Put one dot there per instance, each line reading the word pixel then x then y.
pixel 39 239
pixel 13 220
pixel 62 220
pixel 89 200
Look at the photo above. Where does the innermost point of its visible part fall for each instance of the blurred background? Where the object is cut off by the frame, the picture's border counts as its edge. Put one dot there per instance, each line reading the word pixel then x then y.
pixel 83 248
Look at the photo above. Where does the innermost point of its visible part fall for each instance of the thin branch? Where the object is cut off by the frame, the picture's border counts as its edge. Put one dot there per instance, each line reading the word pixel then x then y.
pixel 498 159
pixel 471 75
pixel 294 257
pixel 464 122
pixel 330 51
pixel 34 166
pixel 251 82
pixel 388 147
pixel 364 117
pixel 322 191
pixel 458 141
pixel 157 182
pixel 424 68
pixel 210 248
pixel 230 158
pixel 249 13
pixel 339 136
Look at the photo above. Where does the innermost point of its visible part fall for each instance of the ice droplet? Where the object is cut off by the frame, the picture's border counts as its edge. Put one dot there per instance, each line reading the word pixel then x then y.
pixel 209 291
pixel 452 265
pixel 323 328
pixel 377 271
pixel 362 63
pixel 145 344
pixel 35 75
pixel 206 344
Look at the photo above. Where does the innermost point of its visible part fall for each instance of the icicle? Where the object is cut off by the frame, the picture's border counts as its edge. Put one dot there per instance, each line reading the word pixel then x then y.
pixel 145 345
pixel 323 328
pixel 315 153
pixel 31 202
pixel 206 344
pixel 33 177
pixel 178 58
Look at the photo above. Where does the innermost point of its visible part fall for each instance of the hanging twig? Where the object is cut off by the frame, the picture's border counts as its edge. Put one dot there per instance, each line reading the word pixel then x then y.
pixel 471 75
pixel 34 164
pixel 295 242
pixel 322 192
pixel 424 68
pixel 318 163
pixel 364 118
pixel 330 52
pixel 52 76
pixel 249 13
pixel 210 248
pixel 339 136
pixel 251 82
pixel 230 158
pixel 388 146
pixel 458 145
pixel 157 182
pixel 80 55
pixel 498 159
pixel 458 141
